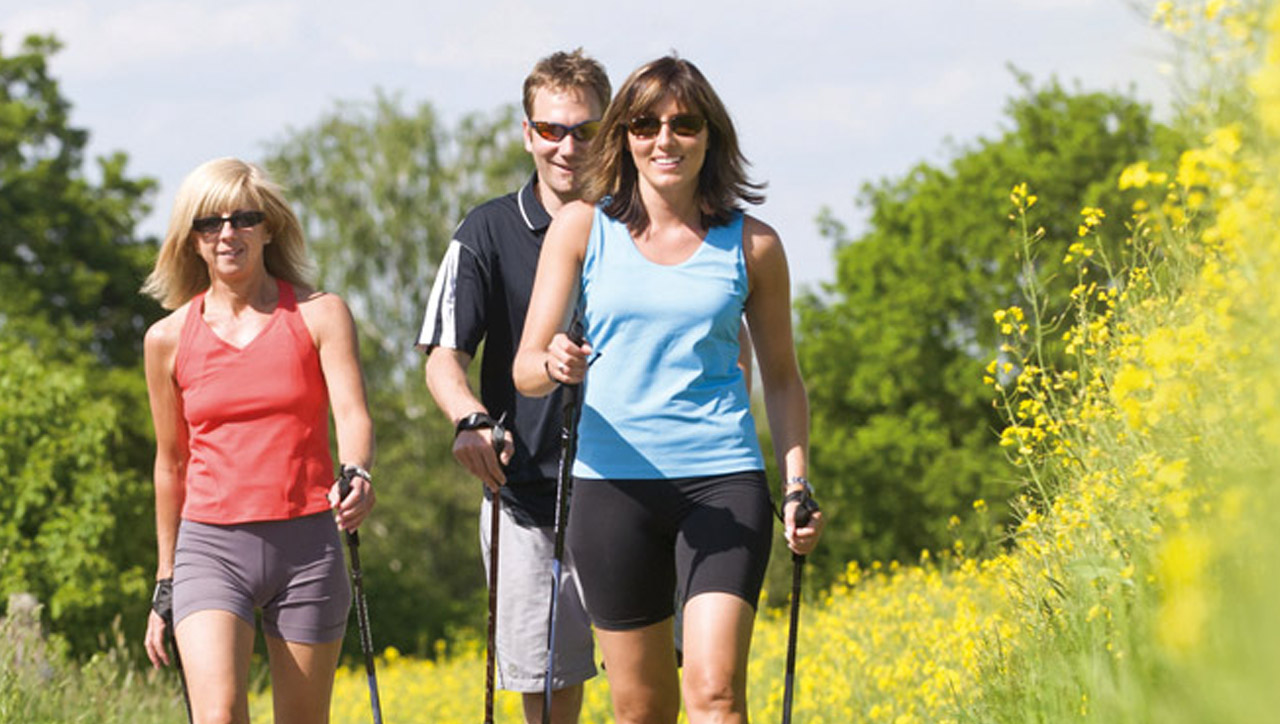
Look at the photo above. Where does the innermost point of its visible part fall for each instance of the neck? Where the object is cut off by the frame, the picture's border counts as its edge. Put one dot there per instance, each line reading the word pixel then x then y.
pixel 550 200
pixel 253 290
pixel 674 207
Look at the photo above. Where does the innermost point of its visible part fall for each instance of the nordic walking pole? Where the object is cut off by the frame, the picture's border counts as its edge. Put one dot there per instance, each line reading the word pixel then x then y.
pixel 499 436
pixel 804 511
pixel 162 602
pixel 182 675
pixel 362 610
pixel 569 400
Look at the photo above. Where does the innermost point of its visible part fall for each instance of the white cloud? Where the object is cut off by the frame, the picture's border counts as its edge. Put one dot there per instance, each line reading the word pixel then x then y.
pixel 107 38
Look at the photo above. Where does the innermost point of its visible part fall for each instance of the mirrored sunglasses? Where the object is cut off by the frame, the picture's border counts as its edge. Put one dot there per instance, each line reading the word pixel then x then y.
pixel 555 132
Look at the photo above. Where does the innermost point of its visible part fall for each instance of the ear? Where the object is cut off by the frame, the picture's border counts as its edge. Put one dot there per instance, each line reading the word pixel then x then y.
pixel 526 130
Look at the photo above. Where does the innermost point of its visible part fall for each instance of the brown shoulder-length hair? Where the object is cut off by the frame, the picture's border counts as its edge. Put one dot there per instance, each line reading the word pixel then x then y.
pixel 209 190
pixel 610 174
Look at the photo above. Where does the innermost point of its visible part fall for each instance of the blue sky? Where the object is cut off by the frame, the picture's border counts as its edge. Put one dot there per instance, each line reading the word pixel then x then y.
pixel 827 94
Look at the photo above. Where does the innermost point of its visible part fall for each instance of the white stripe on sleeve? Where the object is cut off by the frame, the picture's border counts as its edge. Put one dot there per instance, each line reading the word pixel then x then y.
pixel 440 325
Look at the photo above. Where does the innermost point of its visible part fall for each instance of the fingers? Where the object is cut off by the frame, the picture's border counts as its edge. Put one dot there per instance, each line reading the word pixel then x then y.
pixel 508 452
pixel 802 540
pixel 566 361
pixel 154 641
pixel 351 511
pixel 474 449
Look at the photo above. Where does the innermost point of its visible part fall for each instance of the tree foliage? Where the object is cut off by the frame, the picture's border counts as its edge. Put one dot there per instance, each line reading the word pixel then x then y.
pixel 74 434
pixel 67 249
pixel 70 528
pixel 893 352
pixel 380 190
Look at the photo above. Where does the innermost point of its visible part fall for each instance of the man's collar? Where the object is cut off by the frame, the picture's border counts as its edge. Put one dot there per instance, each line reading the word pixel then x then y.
pixel 534 213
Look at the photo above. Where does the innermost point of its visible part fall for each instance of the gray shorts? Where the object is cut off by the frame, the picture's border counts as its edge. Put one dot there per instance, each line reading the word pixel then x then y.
pixel 524 601
pixel 293 570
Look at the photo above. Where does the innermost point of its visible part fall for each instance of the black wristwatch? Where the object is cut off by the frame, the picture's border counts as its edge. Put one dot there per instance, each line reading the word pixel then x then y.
pixel 474 421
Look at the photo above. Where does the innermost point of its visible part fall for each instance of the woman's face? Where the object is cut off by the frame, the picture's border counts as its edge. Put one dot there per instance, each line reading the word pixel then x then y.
pixel 231 241
pixel 671 158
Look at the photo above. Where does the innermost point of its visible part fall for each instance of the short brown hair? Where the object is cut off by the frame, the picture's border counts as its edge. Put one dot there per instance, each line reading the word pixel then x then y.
pixel 210 189
pixel 562 71
pixel 611 174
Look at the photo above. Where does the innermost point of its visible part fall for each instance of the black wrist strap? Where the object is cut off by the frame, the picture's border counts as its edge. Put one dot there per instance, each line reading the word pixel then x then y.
pixel 474 421
pixel 162 600
pixel 807 506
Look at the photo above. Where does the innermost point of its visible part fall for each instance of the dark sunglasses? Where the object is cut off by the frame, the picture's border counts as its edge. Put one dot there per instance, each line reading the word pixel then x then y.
pixel 684 124
pixel 555 132
pixel 239 220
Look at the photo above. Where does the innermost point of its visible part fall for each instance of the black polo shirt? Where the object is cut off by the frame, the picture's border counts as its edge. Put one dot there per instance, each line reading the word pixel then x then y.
pixel 481 293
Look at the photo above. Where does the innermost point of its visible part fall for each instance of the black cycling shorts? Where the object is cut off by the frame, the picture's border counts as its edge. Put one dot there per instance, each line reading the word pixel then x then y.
pixel 636 542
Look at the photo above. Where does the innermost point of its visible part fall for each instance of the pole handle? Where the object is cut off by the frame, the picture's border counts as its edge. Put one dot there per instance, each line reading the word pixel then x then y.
pixel 804 512
pixel 344 489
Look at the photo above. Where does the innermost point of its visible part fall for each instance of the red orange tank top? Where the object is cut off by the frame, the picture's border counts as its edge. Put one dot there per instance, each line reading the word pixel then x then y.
pixel 257 420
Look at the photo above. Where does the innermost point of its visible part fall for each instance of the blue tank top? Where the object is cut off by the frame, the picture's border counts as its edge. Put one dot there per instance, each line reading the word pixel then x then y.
pixel 665 398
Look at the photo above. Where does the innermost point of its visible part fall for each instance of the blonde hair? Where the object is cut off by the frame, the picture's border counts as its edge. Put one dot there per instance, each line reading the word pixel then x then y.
pixel 209 190
pixel 610 174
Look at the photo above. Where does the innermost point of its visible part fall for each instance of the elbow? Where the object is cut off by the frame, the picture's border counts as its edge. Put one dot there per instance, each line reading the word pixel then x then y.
pixel 529 377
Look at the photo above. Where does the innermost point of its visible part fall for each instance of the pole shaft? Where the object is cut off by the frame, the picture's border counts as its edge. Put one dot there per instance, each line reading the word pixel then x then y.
pixel 495 522
pixel 362 609
pixel 788 691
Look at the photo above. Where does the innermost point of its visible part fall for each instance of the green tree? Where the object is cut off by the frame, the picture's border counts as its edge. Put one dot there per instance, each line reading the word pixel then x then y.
pixel 67 250
pixel 74 434
pixel 894 350
pixel 380 190
pixel 71 518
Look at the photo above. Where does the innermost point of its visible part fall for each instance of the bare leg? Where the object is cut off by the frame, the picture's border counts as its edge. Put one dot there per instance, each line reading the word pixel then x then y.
pixel 641 665
pixel 302 679
pixel 566 705
pixel 216 647
pixel 717 639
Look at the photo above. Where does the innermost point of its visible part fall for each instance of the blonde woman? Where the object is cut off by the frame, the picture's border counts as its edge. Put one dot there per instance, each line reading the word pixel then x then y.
pixel 241 378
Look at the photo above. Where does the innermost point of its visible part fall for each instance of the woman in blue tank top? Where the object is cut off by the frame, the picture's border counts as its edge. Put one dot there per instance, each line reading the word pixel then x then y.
pixel 670 500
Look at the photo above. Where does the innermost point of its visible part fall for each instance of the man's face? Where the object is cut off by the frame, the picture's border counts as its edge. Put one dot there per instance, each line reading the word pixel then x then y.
pixel 558 162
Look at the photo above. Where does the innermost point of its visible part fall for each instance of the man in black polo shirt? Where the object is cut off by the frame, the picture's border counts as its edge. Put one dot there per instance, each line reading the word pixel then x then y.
pixel 481 293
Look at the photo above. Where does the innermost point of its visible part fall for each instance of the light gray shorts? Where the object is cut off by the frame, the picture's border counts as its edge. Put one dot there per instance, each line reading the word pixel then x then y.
pixel 524 601
pixel 293 570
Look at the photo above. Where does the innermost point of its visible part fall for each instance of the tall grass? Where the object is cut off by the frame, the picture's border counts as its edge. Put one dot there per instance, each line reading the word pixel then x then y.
pixel 39 684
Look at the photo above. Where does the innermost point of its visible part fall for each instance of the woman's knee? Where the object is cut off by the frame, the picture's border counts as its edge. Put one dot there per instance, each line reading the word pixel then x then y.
pixel 707 690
